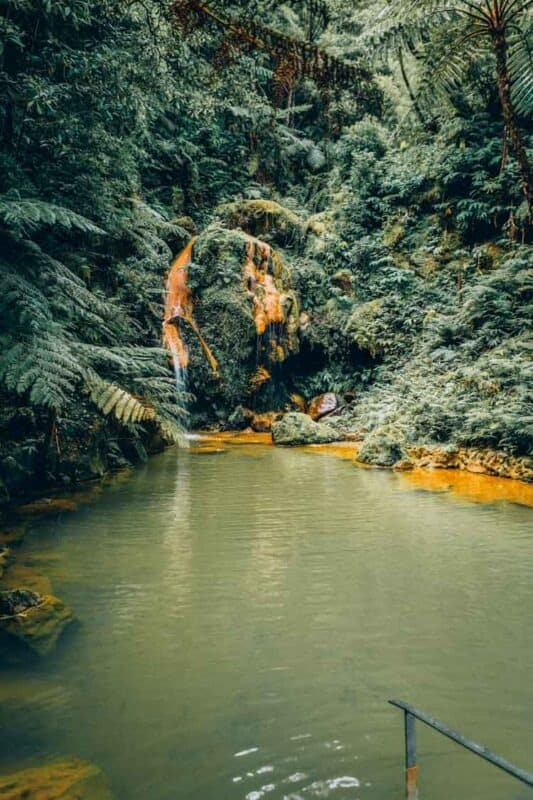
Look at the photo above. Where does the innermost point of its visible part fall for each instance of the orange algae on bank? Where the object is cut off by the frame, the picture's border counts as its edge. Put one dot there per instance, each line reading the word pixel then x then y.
pixel 472 486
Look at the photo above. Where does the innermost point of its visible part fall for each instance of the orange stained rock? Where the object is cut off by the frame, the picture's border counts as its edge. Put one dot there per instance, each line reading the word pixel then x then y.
pixel 322 405
pixel 260 377
pixel 266 304
pixel 179 305
pixel 470 485
pixel 175 344
pixel 178 295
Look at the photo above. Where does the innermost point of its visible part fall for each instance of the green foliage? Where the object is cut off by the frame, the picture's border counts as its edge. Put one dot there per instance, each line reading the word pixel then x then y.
pixel 120 136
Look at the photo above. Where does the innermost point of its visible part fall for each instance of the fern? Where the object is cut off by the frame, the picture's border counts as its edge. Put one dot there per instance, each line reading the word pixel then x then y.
pixel 29 216
pixel 109 398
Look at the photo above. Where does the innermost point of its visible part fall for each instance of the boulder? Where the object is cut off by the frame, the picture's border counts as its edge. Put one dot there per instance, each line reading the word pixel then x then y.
pixel 488 462
pixel 322 405
pixel 383 447
pixel 240 419
pixel 298 402
pixel 71 779
pixel 262 423
pixel 297 429
pixel 37 621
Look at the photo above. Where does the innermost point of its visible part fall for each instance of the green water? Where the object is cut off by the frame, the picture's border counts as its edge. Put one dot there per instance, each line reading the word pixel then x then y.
pixel 244 618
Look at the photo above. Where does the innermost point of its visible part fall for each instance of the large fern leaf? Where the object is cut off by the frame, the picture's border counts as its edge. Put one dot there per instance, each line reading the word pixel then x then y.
pixel 28 216
pixel 125 407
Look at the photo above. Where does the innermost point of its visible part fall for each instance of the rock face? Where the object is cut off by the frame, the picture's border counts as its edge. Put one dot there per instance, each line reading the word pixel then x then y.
pixel 262 423
pixel 488 462
pixel 72 779
pixel 240 419
pixel 297 429
pixel 322 405
pixel 382 448
pixel 37 621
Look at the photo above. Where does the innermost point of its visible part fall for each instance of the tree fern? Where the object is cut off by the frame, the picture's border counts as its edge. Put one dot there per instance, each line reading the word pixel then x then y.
pixel 110 398
pixel 29 215
pixel 502 28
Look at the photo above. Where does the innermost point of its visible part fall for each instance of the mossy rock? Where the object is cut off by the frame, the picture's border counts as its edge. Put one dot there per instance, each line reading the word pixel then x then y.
pixel 382 448
pixel 364 327
pixel 264 218
pixel 71 779
pixel 299 429
pixel 20 574
pixel 34 620
pixel 218 257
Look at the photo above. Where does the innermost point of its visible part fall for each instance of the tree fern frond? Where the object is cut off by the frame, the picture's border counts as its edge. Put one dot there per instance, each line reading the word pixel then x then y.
pixel 520 59
pixel 28 216
pixel 109 397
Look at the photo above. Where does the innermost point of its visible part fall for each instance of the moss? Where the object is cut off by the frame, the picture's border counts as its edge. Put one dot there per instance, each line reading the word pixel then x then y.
pixel 18 574
pixel 71 779
pixel 299 429
pixel 364 327
pixel 264 218
pixel 383 447
pixel 393 234
pixel 38 625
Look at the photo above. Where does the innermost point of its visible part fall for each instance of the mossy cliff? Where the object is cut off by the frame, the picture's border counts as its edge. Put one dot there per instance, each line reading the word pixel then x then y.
pixel 246 311
pixel 422 337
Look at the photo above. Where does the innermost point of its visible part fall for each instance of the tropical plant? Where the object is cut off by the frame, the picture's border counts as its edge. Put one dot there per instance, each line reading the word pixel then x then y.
pixel 502 29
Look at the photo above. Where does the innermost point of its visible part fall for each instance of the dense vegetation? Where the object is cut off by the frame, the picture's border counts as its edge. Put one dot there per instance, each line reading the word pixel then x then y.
pixel 395 139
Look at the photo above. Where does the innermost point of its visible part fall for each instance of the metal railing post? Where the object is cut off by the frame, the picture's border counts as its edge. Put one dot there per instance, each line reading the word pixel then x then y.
pixel 411 768
pixel 411 714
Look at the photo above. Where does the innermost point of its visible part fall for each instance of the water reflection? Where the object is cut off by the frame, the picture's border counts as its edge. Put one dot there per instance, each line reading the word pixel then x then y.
pixel 245 618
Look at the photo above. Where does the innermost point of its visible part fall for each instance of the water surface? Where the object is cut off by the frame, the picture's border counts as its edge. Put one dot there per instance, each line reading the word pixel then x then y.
pixel 245 616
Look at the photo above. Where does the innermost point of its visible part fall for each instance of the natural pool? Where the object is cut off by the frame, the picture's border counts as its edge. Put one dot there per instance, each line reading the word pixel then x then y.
pixel 245 616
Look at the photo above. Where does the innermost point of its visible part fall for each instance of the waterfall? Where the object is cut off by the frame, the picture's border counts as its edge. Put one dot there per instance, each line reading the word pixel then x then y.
pixel 177 306
pixel 273 308
pixel 179 309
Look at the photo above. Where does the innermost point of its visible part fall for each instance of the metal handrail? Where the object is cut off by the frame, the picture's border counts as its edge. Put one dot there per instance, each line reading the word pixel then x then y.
pixel 411 768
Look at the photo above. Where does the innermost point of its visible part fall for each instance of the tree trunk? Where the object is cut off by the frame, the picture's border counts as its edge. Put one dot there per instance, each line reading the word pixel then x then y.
pixel 409 88
pixel 499 43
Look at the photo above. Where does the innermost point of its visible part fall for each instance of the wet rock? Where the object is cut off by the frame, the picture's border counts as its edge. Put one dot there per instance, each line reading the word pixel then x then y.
pixel 22 574
pixel 298 429
pixel 18 600
pixel 322 405
pixel 72 779
pixel 487 462
pixel 405 465
pixel 47 505
pixel 35 620
pixel 262 423
pixel 264 218
pixel 382 447
pixel 240 419
pixel 298 402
